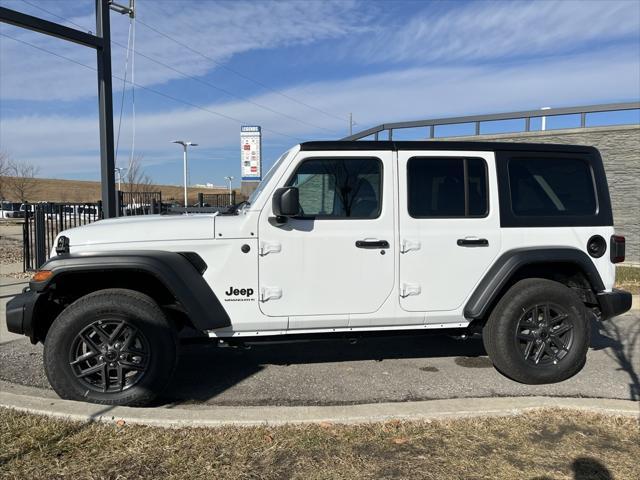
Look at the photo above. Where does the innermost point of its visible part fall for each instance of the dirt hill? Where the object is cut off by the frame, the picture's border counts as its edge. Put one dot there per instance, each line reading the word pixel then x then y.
pixel 55 190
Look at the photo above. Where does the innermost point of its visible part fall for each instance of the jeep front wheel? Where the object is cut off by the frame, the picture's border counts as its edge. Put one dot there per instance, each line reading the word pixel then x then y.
pixel 114 347
pixel 538 332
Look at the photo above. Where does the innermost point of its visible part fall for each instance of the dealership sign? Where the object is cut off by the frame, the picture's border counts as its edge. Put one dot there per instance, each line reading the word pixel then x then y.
pixel 250 153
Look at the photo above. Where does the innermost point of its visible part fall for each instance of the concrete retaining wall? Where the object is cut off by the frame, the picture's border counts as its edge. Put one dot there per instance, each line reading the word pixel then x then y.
pixel 620 149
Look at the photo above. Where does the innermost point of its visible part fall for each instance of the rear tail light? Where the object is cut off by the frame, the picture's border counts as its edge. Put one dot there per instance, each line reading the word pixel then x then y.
pixel 617 249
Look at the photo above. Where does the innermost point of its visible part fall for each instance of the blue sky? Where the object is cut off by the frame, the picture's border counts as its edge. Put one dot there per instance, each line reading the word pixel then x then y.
pixel 297 69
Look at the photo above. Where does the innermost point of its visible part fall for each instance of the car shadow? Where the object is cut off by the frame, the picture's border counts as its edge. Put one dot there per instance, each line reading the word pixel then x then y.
pixel 608 336
pixel 196 379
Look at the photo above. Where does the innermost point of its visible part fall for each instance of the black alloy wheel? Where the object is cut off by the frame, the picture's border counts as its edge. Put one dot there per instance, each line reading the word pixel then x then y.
pixel 545 334
pixel 109 355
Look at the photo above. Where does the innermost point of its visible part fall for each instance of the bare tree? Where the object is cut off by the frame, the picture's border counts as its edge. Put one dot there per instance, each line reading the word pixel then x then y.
pixel 22 182
pixel 4 173
pixel 136 179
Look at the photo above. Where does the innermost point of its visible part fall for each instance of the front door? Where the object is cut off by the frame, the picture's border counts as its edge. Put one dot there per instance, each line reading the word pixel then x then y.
pixel 449 226
pixel 337 257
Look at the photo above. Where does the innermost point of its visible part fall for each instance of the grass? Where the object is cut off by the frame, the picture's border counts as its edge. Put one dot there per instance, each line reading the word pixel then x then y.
pixel 628 278
pixel 541 445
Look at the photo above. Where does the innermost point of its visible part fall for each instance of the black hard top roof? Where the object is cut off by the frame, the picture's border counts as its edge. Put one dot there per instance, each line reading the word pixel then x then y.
pixel 440 145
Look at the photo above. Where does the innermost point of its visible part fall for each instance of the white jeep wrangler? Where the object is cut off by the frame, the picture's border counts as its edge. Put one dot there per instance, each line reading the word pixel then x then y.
pixel 514 241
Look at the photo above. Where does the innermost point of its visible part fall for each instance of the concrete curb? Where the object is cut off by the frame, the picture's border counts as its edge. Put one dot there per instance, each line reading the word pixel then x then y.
pixel 345 414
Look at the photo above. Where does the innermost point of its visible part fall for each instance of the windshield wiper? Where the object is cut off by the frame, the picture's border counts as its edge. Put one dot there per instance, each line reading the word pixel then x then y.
pixel 233 209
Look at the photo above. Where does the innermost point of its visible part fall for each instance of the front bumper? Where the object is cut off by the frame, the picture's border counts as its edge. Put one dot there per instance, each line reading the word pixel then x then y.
pixel 614 303
pixel 20 312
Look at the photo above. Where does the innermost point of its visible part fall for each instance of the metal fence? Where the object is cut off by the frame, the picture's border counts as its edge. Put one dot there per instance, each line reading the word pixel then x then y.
pixel 139 203
pixel 478 120
pixel 216 199
pixel 43 222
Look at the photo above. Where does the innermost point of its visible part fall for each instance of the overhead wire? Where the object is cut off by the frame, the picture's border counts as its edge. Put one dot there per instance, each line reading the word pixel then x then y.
pixel 149 89
pixel 124 89
pixel 240 74
pixel 191 77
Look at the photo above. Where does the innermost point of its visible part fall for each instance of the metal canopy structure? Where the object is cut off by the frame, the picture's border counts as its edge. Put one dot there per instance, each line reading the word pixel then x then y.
pixel 525 115
pixel 101 42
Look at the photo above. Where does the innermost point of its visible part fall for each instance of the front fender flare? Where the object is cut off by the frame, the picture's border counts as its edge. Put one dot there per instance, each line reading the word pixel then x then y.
pixel 174 270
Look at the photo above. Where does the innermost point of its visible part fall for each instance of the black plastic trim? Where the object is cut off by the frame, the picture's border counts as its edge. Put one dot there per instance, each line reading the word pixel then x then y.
pixel 172 269
pixel 507 265
pixel 196 260
pixel 371 145
pixel 19 312
pixel 614 303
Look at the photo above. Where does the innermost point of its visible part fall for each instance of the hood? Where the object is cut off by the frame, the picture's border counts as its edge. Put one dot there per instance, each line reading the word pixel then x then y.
pixel 143 228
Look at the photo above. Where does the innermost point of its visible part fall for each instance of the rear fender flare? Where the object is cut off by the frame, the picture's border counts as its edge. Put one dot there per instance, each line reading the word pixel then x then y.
pixel 510 262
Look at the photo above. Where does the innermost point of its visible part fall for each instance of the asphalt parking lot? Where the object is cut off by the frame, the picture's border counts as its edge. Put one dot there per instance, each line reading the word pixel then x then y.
pixel 372 370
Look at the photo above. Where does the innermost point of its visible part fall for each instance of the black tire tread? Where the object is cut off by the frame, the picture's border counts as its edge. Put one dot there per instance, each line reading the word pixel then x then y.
pixel 498 346
pixel 113 298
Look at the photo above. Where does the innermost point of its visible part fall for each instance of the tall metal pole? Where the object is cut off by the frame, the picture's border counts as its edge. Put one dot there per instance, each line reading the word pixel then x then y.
pixel 105 103
pixel 185 174
pixel 350 124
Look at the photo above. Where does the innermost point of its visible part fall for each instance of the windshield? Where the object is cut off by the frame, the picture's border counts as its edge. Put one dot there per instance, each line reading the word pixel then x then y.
pixel 267 177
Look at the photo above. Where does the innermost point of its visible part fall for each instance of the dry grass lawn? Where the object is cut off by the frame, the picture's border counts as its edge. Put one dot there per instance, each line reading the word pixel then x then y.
pixel 541 445
pixel 58 190
pixel 628 278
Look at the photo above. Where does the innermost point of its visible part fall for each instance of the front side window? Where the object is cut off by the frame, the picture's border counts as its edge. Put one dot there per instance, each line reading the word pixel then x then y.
pixel 446 187
pixel 551 187
pixel 339 187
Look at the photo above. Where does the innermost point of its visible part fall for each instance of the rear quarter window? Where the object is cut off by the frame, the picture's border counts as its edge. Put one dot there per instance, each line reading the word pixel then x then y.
pixel 551 187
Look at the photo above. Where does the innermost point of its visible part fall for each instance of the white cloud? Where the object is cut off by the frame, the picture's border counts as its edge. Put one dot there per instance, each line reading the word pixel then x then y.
pixel 63 145
pixel 478 31
pixel 217 29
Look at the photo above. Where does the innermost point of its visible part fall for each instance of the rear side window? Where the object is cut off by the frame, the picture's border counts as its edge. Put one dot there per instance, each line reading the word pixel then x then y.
pixel 339 187
pixel 551 187
pixel 447 187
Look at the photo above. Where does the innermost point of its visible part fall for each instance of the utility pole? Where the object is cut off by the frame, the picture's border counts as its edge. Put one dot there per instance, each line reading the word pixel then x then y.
pixel 350 123
pixel 185 144
pixel 229 179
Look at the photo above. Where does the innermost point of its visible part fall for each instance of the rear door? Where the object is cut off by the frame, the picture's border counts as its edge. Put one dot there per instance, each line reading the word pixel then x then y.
pixel 449 226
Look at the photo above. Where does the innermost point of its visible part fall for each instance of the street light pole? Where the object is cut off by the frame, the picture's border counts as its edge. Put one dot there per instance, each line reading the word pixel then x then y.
pixel 185 144
pixel 229 179
pixel 119 170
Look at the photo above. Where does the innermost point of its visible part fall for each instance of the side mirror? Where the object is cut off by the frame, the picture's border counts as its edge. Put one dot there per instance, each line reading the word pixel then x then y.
pixel 285 202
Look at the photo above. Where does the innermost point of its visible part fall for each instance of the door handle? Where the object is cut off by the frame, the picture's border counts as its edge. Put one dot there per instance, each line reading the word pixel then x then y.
pixel 372 244
pixel 473 242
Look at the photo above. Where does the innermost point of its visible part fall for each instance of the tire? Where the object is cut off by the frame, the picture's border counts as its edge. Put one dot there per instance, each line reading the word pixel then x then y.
pixel 517 332
pixel 112 347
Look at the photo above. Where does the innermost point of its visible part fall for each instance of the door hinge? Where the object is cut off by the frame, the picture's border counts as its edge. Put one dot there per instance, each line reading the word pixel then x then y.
pixel 270 293
pixel 408 245
pixel 266 248
pixel 409 289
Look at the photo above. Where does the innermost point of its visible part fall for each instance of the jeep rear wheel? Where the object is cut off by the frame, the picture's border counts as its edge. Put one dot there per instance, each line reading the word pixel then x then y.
pixel 538 332
pixel 114 347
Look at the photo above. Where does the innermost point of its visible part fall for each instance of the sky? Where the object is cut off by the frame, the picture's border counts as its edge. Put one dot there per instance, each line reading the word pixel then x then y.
pixel 201 69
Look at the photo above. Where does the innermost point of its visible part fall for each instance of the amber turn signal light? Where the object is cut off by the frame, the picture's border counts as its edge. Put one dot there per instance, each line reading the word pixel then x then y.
pixel 42 275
